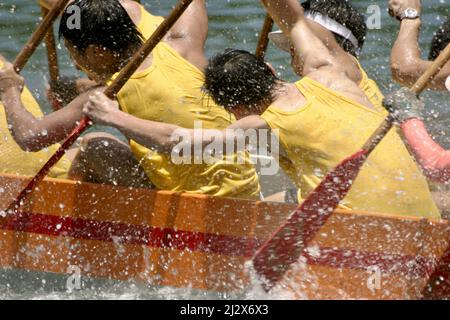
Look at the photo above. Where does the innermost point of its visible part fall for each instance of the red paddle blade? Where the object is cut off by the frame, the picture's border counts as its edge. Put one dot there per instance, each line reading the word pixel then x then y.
pixel 284 248
pixel 76 133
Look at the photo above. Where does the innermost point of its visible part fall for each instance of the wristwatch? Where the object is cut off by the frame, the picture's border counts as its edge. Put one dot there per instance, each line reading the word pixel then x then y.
pixel 410 13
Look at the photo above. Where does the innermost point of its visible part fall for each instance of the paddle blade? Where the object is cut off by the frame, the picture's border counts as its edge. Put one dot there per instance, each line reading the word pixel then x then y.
pixel 286 245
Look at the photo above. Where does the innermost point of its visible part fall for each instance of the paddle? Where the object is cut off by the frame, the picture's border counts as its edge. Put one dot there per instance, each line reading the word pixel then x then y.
pixel 110 92
pixel 52 55
pixel 286 245
pixel 38 35
pixel 53 68
pixel 264 37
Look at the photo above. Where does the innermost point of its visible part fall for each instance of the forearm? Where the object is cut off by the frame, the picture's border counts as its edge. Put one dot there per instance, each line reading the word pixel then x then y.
pixel 33 134
pixel 151 134
pixel 406 62
pixel 166 138
pixel 433 158
pixel 24 127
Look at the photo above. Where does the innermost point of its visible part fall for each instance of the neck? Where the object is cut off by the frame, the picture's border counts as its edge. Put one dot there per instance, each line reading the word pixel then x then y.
pixel 116 66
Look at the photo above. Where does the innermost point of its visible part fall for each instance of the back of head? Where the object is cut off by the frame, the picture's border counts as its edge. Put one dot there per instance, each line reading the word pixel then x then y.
pixel 103 23
pixel 440 40
pixel 344 13
pixel 238 78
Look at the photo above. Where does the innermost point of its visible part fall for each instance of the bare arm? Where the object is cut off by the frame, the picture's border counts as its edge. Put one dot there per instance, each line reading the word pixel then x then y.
pixel 33 134
pixel 188 36
pixel 30 133
pixel 407 64
pixel 289 16
pixel 161 136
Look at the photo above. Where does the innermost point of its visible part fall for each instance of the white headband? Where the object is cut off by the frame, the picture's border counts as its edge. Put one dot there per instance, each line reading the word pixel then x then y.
pixel 447 84
pixel 332 25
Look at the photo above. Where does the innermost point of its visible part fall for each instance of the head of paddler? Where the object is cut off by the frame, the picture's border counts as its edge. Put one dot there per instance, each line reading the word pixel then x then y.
pixel 335 22
pixel 240 82
pixel 104 38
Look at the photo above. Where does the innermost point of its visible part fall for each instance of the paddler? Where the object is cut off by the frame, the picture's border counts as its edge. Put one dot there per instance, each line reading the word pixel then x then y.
pixel 14 160
pixel 321 119
pixel 93 161
pixel 407 66
pixel 406 62
pixel 167 87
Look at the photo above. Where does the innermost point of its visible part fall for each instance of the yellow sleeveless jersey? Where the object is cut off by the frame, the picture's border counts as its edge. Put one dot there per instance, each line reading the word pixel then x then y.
pixel 170 91
pixel 331 127
pixel 14 160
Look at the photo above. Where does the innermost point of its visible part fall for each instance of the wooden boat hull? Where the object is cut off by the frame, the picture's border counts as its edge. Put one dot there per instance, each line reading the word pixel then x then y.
pixel 191 241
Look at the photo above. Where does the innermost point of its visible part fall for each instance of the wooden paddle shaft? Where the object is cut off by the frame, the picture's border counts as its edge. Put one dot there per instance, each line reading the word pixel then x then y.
pixel 264 37
pixel 39 34
pixel 111 92
pixel 417 88
pixel 52 55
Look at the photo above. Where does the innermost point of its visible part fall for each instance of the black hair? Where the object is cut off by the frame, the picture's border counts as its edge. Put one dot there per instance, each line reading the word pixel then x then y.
pixel 238 78
pixel 104 23
pixel 346 14
pixel 440 40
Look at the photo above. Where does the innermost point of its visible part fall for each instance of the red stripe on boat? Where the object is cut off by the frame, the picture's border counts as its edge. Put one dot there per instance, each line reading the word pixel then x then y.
pixel 207 243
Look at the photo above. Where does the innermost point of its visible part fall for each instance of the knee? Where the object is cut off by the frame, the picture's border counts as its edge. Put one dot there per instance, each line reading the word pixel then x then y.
pixel 96 139
pixel 97 146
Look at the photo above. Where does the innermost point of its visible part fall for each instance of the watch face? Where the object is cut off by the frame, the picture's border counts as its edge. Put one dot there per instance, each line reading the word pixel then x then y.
pixel 411 13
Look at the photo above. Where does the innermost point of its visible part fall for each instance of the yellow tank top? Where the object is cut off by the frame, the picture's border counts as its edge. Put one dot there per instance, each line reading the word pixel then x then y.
pixel 14 160
pixel 170 91
pixel 331 127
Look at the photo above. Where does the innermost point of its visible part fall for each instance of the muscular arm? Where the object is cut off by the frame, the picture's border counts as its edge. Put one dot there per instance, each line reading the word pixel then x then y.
pixel 33 134
pixel 433 158
pixel 188 36
pixel 289 16
pixel 407 64
pixel 161 136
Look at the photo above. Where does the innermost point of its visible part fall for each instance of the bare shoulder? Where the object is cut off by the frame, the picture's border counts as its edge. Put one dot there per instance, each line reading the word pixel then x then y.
pixel 133 9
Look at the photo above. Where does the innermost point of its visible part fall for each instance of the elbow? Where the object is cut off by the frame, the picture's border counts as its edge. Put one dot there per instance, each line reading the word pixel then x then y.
pixel 398 74
pixel 26 145
pixel 27 142
pixel 405 72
